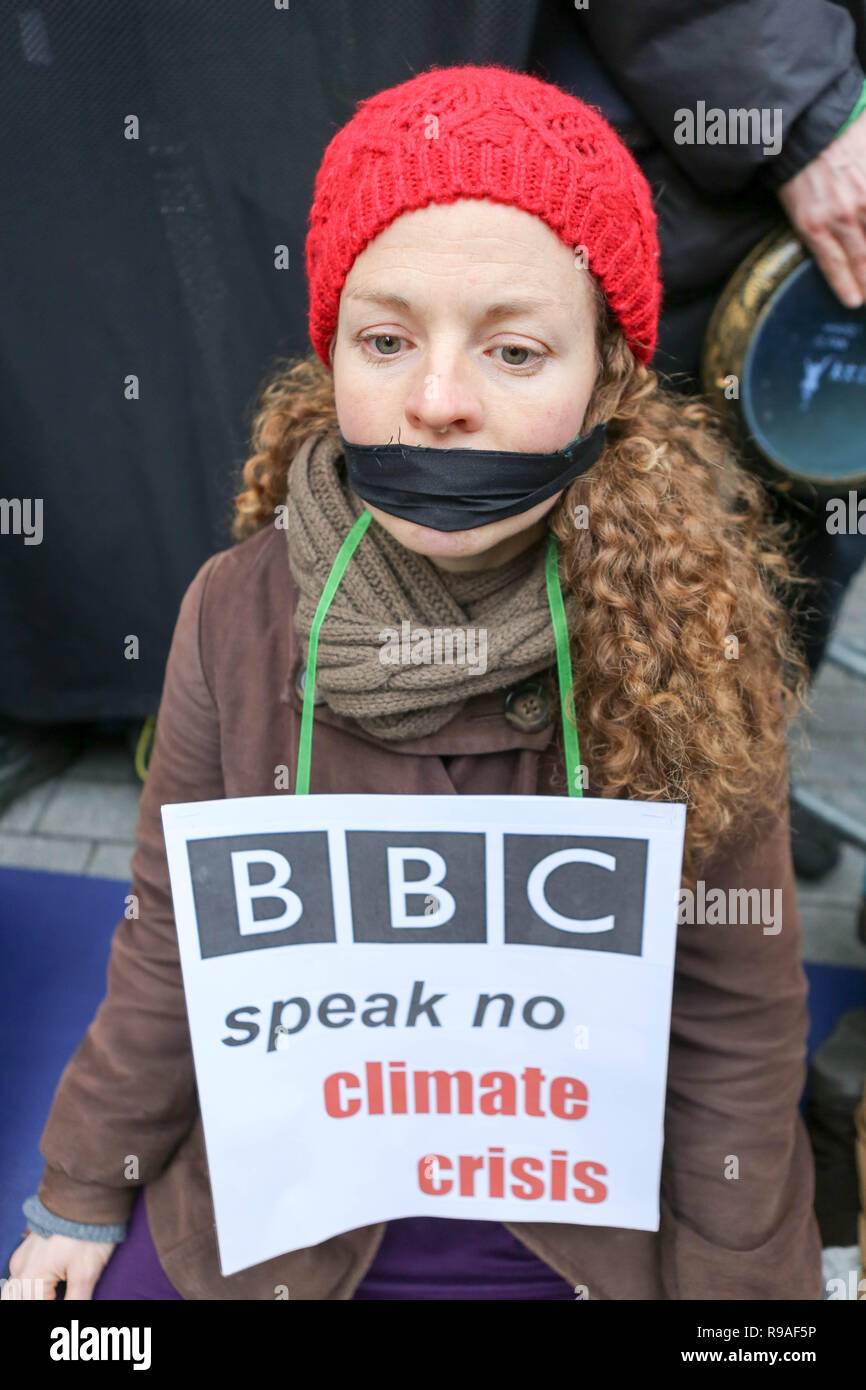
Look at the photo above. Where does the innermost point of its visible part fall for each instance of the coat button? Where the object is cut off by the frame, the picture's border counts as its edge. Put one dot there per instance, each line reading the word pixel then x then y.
pixel 300 685
pixel 528 707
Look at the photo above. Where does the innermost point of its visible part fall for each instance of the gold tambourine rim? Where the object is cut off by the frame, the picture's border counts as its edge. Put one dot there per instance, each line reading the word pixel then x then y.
pixel 734 325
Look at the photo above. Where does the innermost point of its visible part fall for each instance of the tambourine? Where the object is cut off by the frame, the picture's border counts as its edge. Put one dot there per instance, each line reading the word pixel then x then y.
pixel 785 362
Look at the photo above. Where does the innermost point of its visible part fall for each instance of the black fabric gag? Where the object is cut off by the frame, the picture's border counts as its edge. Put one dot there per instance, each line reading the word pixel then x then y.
pixel 458 489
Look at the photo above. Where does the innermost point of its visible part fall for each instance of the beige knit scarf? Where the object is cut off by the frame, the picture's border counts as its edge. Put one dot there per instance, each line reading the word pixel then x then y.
pixel 379 659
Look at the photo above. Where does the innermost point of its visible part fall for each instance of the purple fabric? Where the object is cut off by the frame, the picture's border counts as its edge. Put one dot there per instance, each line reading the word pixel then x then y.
pixel 419 1258
pixel 429 1257
pixel 134 1270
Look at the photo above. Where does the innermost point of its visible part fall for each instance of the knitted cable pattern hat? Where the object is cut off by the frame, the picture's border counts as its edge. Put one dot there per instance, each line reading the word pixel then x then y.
pixel 486 132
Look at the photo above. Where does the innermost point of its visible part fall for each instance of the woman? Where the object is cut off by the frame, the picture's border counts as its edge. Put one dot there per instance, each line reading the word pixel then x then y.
pixel 482 266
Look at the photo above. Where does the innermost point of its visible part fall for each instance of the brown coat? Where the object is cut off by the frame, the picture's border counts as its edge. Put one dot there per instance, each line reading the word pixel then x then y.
pixel 229 715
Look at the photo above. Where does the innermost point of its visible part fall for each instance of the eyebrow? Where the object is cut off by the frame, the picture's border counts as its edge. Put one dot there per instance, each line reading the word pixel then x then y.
pixel 503 308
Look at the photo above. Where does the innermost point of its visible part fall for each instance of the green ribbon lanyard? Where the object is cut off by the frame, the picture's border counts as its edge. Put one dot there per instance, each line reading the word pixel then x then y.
pixel 560 631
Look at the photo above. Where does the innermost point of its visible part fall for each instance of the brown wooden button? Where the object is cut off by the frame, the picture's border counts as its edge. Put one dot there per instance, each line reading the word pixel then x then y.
pixel 300 685
pixel 528 707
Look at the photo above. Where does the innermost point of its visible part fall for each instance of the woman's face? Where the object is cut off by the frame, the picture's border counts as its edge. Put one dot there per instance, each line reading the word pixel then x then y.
pixel 425 353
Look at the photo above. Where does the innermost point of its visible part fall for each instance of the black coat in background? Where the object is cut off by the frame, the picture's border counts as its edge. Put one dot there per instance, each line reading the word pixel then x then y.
pixel 155 258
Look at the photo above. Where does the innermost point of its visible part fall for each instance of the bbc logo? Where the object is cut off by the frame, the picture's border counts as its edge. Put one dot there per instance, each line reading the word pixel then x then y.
pixel 255 892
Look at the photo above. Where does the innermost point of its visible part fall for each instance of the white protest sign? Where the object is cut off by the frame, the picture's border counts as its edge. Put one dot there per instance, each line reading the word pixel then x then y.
pixel 426 1006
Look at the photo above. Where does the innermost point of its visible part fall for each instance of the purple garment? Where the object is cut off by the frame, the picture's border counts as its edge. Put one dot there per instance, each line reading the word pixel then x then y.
pixel 422 1257
pixel 428 1257
pixel 134 1270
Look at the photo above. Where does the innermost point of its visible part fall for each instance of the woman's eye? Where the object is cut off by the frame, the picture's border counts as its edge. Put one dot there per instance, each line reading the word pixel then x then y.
pixel 516 348
pixel 384 338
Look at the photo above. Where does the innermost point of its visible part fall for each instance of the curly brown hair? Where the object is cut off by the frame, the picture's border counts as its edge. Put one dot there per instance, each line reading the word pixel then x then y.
pixel 686 670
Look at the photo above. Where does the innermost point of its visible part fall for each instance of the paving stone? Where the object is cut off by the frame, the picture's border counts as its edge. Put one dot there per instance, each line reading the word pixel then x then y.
pixel 99 810
pixel 48 852
pixel 23 813
pixel 850 798
pixel 111 861
pixel 830 936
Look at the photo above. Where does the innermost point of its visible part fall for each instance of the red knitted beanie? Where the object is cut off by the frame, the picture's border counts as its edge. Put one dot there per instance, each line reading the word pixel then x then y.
pixel 486 132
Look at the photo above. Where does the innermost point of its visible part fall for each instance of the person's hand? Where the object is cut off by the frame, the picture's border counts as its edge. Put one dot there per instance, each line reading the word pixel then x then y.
pixel 41 1262
pixel 826 202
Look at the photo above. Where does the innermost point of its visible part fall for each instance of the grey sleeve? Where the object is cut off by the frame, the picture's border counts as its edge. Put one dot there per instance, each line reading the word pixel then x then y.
pixel 45 1223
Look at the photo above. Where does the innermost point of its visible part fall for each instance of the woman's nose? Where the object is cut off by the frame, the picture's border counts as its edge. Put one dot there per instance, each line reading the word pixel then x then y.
pixel 439 403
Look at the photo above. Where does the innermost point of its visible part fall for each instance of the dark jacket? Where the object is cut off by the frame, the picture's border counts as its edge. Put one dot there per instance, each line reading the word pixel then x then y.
pixel 641 63
pixel 230 713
